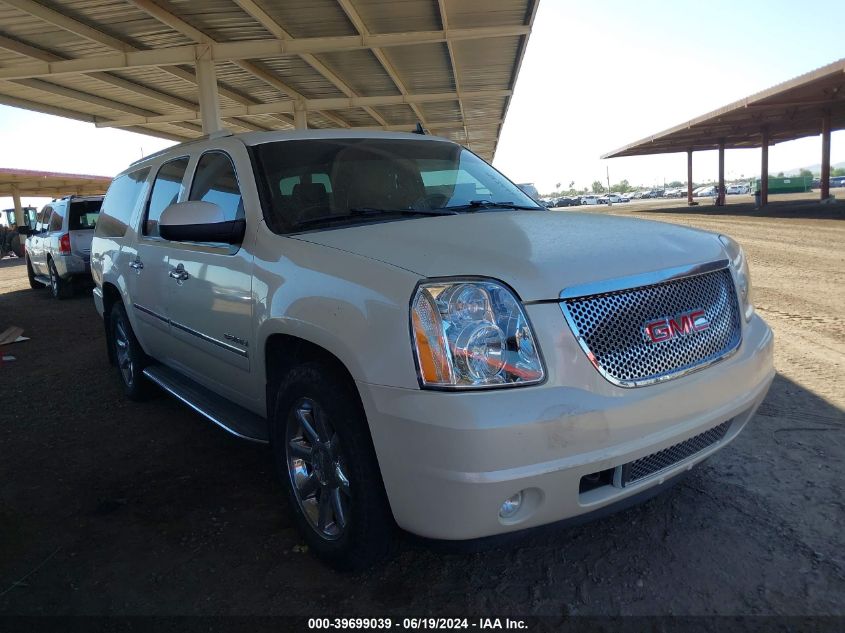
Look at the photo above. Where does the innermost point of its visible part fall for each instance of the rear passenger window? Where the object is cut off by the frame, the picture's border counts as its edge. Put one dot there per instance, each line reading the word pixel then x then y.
pixel 166 188
pixel 44 218
pixel 119 203
pixel 56 220
pixel 215 181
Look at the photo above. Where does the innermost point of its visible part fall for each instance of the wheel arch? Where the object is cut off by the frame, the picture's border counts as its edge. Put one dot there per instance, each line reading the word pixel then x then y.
pixel 282 352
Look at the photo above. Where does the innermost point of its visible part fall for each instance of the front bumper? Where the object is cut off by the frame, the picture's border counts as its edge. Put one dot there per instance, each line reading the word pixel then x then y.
pixel 449 460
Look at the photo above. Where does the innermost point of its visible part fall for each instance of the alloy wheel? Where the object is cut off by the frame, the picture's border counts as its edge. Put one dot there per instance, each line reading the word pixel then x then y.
pixel 317 470
pixel 122 353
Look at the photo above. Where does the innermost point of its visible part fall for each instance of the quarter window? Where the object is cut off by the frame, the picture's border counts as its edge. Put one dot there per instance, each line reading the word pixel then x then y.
pixel 119 203
pixel 166 189
pixel 215 181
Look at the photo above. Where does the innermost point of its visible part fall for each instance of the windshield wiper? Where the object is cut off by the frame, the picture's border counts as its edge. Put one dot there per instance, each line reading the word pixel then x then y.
pixel 366 211
pixel 474 205
pixel 369 212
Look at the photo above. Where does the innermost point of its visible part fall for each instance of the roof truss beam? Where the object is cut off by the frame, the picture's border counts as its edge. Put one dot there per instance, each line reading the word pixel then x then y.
pixel 287 107
pixel 247 49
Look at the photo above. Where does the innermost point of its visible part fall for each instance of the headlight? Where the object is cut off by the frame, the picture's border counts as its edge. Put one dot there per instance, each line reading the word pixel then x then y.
pixel 743 279
pixel 472 334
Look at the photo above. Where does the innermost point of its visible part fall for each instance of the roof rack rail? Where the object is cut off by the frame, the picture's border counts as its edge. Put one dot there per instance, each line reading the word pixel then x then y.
pixel 205 137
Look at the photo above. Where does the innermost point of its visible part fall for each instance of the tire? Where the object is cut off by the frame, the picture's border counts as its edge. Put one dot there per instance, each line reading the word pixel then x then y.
pixel 128 356
pixel 60 288
pixel 30 274
pixel 335 491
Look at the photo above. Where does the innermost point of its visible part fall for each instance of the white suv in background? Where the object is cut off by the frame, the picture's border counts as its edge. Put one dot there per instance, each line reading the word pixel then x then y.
pixel 58 248
pixel 419 342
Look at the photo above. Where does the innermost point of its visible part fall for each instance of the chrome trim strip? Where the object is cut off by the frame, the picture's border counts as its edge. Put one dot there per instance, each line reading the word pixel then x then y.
pixel 657 277
pixel 185 328
pixel 208 416
pixel 209 339
pixel 643 279
pixel 146 310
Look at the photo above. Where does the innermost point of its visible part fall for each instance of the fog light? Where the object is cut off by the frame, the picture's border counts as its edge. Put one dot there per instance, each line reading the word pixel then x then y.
pixel 511 506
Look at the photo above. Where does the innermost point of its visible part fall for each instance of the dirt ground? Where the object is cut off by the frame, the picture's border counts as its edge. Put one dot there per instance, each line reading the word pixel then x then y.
pixel 112 507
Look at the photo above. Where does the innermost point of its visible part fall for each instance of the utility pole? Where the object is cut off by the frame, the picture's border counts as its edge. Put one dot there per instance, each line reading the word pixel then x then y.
pixel 608 177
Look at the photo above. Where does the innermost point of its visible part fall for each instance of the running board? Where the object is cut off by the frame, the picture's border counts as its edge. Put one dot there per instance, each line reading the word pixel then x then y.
pixel 43 280
pixel 228 416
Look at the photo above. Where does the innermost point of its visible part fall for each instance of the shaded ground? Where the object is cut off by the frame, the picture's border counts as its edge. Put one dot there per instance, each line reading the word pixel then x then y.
pixel 111 507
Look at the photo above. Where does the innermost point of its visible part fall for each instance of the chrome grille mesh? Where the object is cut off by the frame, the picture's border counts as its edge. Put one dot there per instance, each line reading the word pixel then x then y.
pixel 610 327
pixel 654 463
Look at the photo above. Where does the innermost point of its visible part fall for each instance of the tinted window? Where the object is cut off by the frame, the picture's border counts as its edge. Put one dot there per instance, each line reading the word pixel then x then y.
pixel 44 218
pixel 215 181
pixel 83 214
pixel 166 188
pixel 322 182
pixel 120 202
pixel 56 219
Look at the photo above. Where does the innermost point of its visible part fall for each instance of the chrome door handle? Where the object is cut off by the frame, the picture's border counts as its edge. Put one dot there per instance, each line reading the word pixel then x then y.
pixel 137 264
pixel 179 273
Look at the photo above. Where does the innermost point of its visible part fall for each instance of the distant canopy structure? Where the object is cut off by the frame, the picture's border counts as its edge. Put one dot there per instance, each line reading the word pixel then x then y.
pixel 25 182
pixel 811 104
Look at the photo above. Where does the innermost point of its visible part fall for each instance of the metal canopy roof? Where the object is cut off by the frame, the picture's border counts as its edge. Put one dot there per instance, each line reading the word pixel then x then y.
pixel 790 110
pixel 386 64
pixel 24 182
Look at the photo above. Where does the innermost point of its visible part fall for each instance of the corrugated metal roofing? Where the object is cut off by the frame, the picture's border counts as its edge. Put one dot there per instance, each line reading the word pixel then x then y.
pixel 451 64
pixel 790 110
pixel 26 182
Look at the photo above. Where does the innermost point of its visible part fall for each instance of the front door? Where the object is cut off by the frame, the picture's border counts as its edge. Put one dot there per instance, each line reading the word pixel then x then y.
pixel 211 304
pixel 148 279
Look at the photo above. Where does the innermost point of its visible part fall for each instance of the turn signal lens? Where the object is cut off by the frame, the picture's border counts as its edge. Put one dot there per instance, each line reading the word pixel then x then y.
pixel 739 263
pixel 472 334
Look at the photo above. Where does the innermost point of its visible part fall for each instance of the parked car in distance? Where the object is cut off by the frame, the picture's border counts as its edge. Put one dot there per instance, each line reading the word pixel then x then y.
pixel 415 352
pixel 590 198
pixel 706 192
pixel 737 189
pixel 58 249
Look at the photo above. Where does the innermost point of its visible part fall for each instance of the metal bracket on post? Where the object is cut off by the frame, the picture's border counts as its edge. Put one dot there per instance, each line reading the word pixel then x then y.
pixel 207 86
pixel 300 120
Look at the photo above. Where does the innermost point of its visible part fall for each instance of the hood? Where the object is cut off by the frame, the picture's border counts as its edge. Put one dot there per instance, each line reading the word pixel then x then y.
pixel 537 253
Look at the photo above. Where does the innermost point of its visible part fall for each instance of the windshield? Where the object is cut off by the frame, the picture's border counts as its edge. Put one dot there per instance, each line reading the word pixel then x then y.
pixel 329 182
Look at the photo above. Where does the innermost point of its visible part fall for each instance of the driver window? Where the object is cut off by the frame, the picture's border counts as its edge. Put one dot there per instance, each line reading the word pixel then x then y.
pixel 215 181
pixel 166 188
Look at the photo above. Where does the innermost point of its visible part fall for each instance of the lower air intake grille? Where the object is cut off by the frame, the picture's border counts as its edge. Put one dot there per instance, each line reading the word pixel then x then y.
pixel 654 463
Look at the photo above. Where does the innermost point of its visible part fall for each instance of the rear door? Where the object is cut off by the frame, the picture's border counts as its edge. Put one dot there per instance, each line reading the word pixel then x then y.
pixel 211 305
pixel 148 283
pixel 82 219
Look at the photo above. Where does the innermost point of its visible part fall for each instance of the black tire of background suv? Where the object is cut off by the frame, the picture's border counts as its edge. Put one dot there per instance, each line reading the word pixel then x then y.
pixel 370 531
pixel 141 389
pixel 30 274
pixel 63 288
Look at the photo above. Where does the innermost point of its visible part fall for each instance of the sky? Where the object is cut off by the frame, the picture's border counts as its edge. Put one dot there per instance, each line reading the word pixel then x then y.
pixel 596 75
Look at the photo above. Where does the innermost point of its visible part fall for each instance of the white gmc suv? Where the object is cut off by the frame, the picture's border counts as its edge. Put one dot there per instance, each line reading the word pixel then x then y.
pixel 419 342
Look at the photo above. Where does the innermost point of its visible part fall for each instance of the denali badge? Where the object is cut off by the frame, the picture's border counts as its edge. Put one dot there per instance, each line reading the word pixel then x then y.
pixel 669 327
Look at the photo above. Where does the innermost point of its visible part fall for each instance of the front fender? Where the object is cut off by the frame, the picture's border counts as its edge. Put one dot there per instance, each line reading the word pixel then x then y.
pixel 353 307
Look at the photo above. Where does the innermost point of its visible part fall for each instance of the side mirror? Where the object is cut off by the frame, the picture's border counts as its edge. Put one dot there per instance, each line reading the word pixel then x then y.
pixel 198 221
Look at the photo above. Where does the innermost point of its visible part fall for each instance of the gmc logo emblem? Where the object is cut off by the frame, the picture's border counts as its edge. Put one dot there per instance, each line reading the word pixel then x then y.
pixel 667 328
